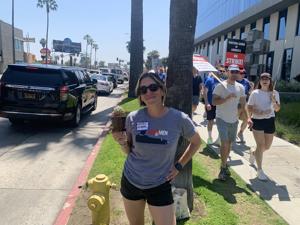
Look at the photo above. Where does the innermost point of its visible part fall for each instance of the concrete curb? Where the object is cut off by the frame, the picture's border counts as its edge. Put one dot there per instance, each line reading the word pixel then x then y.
pixel 65 213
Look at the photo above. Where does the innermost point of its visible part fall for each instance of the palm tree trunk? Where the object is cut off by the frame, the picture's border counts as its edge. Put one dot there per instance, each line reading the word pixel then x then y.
pixel 47 32
pixel 95 58
pixel 136 45
pixel 86 54
pixel 91 57
pixel 179 80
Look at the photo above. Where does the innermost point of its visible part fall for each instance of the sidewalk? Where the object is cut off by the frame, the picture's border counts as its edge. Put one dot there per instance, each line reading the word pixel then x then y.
pixel 281 163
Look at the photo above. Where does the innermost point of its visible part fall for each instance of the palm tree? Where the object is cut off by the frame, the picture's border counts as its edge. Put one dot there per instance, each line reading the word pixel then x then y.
pixel 49 5
pixel 91 42
pixel 150 56
pixel 136 45
pixel 86 37
pixel 96 47
pixel 179 80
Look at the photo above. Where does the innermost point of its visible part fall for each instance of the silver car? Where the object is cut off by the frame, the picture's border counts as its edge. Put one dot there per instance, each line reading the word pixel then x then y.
pixel 103 84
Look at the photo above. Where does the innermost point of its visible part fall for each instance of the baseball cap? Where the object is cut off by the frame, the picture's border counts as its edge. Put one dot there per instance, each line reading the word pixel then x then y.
pixel 233 67
pixel 266 75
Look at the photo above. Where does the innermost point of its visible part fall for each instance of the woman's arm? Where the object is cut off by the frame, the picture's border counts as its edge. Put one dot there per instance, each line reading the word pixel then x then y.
pixel 124 139
pixel 193 147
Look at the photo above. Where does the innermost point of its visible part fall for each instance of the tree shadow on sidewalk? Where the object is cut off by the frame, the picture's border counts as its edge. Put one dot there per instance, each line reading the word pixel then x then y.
pixel 267 189
pixel 227 189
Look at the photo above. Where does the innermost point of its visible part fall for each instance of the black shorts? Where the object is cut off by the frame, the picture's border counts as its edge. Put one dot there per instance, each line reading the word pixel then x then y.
pixel 157 196
pixel 265 125
pixel 211 114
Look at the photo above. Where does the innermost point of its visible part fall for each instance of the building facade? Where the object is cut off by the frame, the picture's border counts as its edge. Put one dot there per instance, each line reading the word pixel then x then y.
pixel 278 19
pixel 6 54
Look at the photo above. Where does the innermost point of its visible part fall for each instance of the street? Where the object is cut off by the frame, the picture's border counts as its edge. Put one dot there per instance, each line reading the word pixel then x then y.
pixel 39 163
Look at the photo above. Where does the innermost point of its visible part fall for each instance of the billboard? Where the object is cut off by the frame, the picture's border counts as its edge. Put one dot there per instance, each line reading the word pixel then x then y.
pixel 235 52
pixel 66 46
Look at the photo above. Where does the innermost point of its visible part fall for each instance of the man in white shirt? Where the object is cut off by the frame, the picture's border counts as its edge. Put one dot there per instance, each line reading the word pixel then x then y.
pixel 226 96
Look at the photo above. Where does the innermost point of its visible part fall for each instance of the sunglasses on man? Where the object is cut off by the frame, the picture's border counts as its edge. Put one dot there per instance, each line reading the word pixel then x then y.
pixel 152 87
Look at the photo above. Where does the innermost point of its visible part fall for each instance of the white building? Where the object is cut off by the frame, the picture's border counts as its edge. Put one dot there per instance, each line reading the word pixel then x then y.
pixel 278 19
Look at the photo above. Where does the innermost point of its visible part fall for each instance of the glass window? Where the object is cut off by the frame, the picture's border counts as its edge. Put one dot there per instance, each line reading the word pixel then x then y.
pixel 287 64
pixel 269 62
pixel 208 47
pixel 219 45
pixel 281 25
pixel 242 33
pixel 298 22
pixel 253 26
pixel 266 27
pixel 232 34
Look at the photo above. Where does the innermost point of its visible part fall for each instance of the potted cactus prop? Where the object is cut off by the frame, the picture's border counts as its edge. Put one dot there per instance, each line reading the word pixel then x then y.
pixel 118 118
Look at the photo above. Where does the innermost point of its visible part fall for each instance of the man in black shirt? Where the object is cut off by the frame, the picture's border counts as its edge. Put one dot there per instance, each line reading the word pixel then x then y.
pixel 197 81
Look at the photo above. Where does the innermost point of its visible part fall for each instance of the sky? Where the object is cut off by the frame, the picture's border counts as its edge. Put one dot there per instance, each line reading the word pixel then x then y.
pixel 106 21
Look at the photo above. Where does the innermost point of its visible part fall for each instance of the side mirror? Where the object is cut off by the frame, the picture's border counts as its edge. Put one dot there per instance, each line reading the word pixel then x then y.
pixel 94 81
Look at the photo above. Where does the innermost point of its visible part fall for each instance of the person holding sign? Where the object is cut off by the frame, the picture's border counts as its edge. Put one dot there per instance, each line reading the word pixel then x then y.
pixel 150 142
pixel 226 96
pixel 262 105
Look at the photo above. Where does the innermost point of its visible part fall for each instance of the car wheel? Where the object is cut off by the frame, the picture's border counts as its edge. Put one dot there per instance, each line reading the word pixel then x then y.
pixel 77 116
pixel 16 121
pixel 95 104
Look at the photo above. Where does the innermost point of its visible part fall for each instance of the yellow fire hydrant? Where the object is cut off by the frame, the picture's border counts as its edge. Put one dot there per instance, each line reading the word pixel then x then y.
pixel 98 203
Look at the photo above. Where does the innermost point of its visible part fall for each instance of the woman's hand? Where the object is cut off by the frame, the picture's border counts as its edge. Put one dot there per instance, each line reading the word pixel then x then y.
pixel 121 138
pixel 250 123
pixel 173 173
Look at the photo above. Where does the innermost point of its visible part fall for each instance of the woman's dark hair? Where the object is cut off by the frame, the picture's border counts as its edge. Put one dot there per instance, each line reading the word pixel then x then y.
pixel 156 79
pixel 258 85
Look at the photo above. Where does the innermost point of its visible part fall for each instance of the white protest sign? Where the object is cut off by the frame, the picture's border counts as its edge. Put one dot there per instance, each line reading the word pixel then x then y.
pixel 202 65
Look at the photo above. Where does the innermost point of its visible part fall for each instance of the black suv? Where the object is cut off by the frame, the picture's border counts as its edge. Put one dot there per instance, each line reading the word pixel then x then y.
pixel 33 91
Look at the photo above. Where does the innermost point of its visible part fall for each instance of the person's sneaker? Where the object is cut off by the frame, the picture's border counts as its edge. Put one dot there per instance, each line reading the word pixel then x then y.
pixel 252 158
pixel 227 171
pixel 241 138
pixel 209 141
pixel 261 175
pixel 222 175
pixel 217 142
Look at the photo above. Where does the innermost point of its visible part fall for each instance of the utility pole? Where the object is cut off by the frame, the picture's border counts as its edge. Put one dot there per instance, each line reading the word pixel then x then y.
pixel 13 31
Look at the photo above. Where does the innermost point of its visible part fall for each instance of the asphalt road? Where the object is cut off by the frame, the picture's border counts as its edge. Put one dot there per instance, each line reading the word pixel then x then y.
pixel 40 162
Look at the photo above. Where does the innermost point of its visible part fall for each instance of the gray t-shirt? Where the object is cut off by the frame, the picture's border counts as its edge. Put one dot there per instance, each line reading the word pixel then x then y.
pixel 154 145
pixel 228 111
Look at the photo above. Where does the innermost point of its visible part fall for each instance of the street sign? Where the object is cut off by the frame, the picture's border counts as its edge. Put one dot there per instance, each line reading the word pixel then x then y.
pixel 202 65
pixel 235 52
pixel 28 39
pixel 44 51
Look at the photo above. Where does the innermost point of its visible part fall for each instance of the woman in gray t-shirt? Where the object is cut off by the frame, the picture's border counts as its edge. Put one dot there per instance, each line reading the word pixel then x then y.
pixel 151 139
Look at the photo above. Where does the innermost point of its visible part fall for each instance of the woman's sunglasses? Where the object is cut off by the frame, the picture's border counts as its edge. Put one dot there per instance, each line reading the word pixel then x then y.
pixel 152 87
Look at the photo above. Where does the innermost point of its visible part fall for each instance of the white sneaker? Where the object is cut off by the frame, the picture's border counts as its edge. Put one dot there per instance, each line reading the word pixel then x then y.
pixel 261 175
pixel 217 142
pixel 252 158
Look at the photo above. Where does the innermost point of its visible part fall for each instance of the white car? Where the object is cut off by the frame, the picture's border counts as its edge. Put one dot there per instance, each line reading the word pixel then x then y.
pixel 103 84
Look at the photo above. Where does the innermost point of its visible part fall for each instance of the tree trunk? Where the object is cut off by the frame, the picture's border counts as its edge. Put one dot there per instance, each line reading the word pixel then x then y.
pixel 86 54
pixel 91 56
pixel 179 79
pixel 136 45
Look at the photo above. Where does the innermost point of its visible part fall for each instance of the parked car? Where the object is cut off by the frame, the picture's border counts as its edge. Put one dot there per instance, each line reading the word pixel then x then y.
pixel 104 70
pixel 126 76
pixel 113 77
pixel 103 84
pixel 34 92
pixel 119 74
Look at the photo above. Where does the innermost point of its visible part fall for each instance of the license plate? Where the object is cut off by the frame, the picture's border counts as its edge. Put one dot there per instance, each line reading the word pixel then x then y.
pixel 29 95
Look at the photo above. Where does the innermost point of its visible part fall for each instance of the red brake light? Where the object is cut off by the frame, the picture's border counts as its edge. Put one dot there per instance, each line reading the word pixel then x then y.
pixel 64 90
